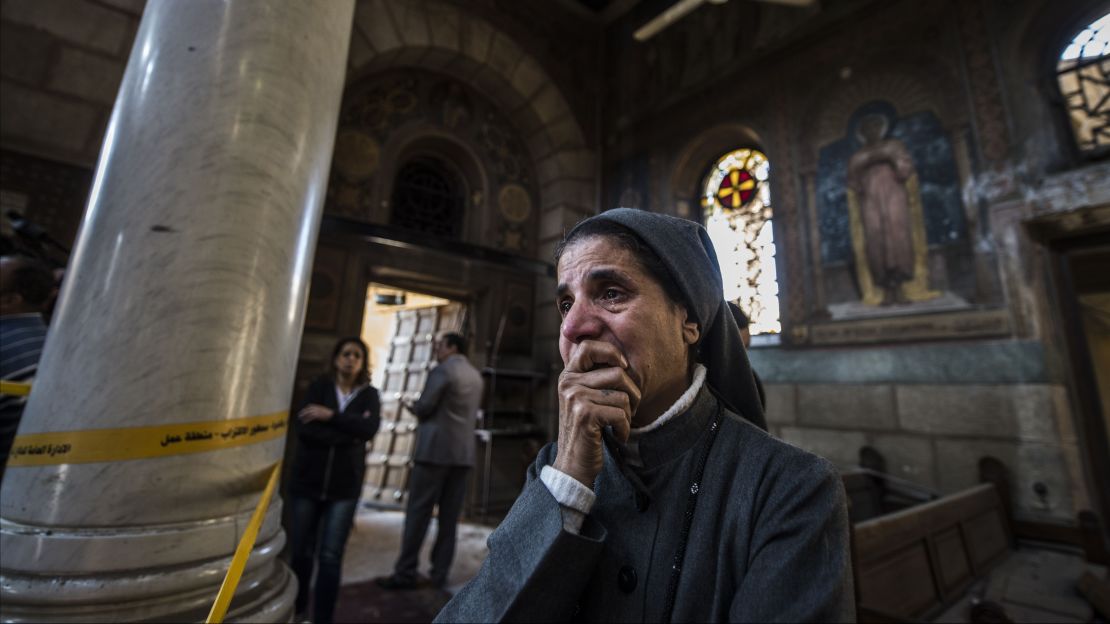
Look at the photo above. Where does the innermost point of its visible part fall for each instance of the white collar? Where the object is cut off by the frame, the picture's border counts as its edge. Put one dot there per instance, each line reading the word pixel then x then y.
pixel 681 405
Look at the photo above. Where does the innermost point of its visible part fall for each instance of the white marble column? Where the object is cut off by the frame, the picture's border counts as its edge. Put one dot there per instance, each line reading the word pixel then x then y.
pixel 183 303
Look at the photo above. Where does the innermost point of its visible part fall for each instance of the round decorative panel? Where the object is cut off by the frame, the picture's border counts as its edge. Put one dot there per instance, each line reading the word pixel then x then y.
pixel 356 154
pixel 515 203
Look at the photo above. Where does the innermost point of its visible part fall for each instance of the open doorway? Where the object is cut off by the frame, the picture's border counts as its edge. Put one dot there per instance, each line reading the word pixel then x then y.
pixel 379 321
pixel 399 326
pixel 1083 297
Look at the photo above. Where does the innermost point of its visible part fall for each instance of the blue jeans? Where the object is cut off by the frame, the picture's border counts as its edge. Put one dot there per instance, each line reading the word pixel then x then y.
pixel 330 520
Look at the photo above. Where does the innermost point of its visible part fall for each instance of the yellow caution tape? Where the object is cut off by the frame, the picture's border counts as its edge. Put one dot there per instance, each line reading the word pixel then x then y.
pixel 112 445
pixel 15 388
pixel 242 552
pixel 108 445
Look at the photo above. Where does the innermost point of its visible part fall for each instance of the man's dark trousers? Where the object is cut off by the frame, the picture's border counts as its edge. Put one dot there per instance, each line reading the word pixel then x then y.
pixel 431 485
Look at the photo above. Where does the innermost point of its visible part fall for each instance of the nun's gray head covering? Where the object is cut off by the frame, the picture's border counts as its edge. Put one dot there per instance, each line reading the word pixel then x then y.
pixel 684 249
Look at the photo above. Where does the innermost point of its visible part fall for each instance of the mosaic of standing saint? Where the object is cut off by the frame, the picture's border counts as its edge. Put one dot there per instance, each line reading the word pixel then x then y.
pixel 885 217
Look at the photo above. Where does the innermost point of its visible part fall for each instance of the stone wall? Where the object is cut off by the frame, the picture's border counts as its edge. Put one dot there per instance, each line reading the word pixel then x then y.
pixel 61 66
pixel 933 412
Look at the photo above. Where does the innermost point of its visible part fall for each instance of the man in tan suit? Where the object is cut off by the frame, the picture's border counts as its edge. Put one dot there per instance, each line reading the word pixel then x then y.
pixel 444 453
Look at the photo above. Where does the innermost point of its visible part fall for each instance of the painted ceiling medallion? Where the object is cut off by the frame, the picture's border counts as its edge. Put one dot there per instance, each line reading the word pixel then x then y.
pixel 356 154
pixel 736 189
pixel 515 203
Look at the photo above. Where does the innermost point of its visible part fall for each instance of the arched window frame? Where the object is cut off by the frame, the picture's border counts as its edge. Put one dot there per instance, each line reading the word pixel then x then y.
pixel 1082 78
pixel 454 195
pixel 748 257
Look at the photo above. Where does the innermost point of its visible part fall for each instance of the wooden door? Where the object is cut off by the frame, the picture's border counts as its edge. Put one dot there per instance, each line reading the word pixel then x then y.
pixel 389 455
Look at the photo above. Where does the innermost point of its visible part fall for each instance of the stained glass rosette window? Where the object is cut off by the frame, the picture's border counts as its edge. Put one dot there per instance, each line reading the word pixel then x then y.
pixel 736 189
pixel 736 203
pixel 1084 76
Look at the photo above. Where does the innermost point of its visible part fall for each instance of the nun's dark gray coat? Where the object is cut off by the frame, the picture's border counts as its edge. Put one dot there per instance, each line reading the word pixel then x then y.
pixel 768 542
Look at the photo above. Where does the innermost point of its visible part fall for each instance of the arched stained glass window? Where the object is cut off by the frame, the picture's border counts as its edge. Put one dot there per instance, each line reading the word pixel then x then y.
pixel 736 201
pixel 1084 75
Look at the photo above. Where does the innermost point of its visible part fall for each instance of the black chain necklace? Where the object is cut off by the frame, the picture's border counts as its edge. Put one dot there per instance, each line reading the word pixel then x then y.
pixel 691 503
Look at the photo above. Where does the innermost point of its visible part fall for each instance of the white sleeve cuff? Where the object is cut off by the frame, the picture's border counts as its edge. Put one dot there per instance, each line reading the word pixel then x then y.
pixel 575 500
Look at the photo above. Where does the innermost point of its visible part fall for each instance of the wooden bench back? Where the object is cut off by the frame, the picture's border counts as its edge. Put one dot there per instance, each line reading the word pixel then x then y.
pixel 912 563
pixel 865 495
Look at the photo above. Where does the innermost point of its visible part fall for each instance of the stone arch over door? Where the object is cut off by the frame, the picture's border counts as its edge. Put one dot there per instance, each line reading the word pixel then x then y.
pixel 393 116
pixel 443 38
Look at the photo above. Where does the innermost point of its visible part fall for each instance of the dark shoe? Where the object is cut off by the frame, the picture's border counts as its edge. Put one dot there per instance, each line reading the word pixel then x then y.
pixel 395 583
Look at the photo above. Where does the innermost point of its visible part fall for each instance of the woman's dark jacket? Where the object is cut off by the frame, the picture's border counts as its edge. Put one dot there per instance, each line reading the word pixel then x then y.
pixel 331 455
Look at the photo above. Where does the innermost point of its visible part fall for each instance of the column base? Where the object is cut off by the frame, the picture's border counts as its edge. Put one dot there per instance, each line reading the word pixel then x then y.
pixel 171 593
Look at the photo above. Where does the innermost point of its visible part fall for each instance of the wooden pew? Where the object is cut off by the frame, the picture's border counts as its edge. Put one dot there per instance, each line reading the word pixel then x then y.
pixel 872 492
pixel 865 495
pixel 919 563
pixel 911 564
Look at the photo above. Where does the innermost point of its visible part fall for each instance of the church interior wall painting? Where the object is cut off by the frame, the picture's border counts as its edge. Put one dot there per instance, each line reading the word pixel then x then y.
pixel 894 241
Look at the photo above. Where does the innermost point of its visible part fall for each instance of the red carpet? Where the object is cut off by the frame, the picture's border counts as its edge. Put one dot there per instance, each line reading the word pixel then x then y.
pixel 366 602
